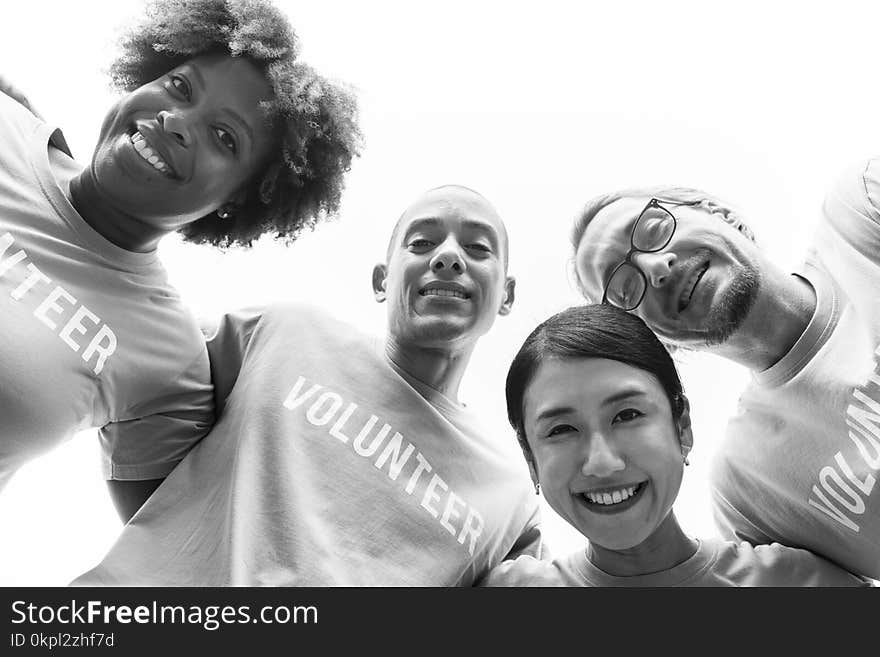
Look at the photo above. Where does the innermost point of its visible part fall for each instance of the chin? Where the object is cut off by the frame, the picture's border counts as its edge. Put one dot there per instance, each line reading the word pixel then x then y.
pixel 621 542
pixel 731 310
pixel 617 532
pixel 441 330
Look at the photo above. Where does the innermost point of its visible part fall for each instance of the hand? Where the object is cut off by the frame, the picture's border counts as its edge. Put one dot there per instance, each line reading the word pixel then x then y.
pixel 13 92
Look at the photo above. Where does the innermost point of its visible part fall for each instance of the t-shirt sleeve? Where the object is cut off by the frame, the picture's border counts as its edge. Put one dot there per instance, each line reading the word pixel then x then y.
pixel 530 542
pixel 151 445
pixel 784 566
pixel 523 571
pixel 228 339
pixel 732 524
pixel 852 208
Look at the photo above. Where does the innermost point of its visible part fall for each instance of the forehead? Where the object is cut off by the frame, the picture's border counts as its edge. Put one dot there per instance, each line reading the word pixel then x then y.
pixel 606 240
pixel 453 206
pixel 232 78
pixel 596 378
pixel 576 385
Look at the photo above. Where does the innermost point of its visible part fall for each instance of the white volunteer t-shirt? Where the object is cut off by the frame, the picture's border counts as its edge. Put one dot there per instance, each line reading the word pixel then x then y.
pixel 327 467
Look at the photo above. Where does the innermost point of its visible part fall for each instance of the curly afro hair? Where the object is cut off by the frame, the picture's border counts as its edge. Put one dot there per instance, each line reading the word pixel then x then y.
pixel 316 119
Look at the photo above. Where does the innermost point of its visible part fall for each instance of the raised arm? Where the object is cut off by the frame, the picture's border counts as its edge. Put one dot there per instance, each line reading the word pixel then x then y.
pixel 15 93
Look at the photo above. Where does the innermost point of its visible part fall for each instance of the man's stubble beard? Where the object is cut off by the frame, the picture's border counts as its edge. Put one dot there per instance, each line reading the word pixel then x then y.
pixel 731 311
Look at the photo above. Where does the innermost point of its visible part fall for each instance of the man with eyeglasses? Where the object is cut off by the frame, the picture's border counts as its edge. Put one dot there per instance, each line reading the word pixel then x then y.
pixel 801 457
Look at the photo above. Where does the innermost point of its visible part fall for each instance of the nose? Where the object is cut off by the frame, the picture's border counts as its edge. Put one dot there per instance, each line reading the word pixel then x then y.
pixel 655 266
pixel 176 125
pixel 448 258
pixel 600 459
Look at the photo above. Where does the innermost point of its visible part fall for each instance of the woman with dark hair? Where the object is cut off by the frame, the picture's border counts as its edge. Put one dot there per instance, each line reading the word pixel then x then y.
pixel 222 135
pixel 600 414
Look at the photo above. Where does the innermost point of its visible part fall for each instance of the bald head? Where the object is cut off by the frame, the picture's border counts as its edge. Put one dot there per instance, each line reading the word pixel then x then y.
pixel 445 279
pixel 451 199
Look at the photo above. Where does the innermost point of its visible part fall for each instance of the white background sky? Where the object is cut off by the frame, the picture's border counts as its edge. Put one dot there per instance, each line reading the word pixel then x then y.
pixel 539 106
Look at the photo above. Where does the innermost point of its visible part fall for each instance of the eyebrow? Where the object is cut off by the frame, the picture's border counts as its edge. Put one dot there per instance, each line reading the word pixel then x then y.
pixel 236 117
pixel 626 393
pixel 429 222
pixel 554 411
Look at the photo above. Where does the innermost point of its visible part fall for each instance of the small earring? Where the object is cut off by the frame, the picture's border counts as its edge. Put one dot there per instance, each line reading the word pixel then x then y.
pixel 537 488
pixel 686 462
pixel 224 212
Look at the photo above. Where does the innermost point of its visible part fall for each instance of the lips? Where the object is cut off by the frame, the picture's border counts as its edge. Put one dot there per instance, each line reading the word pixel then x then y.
pixel 689 285
pixel 151 149
pixel 446 290
pixel 615 499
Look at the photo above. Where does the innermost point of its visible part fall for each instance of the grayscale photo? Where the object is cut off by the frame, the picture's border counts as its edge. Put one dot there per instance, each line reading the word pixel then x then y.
pixel 461 294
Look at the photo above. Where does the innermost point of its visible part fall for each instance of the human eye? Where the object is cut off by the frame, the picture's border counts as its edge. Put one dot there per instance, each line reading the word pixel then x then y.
pixel 560 430
pixel 226 138
pixel 624 287
pixel 479 247
pixel 181 85
pixel 651 227
pixel 631 287
pixel 627 415
pixel 653 230
pixel 420 244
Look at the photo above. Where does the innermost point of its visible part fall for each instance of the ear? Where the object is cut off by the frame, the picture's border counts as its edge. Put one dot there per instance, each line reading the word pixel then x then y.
pixel 685 433
pixel 532 472
pixel 380 274
pixel 509 294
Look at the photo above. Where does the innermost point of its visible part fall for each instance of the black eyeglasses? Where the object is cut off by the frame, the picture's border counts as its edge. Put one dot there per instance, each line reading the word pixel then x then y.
pixel 651 233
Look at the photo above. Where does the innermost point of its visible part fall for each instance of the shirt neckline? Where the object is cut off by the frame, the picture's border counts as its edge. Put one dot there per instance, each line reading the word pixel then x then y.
pixel 818 330
pixel 701 560
pixel 47 136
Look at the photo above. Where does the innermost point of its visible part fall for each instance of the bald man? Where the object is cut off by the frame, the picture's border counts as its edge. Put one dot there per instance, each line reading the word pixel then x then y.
pixel 340 460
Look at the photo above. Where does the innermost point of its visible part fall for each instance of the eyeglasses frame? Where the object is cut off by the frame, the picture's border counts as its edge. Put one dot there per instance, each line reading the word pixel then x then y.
pixel 653 203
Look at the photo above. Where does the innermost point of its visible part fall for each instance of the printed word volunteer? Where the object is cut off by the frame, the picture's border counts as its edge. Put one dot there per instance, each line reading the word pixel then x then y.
pixel 51 311
pixel 324 408
pixel 846 494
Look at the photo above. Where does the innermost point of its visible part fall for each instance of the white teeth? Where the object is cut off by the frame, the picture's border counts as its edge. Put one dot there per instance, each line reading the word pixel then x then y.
pixel 440 292
pixel 140 145
pixel 613 497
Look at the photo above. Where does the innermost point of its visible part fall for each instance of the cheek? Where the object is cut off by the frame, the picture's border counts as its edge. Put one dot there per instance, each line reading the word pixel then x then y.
pixel 218 170
pixel 651 312
pixel 144 102
pixel 490 279
pixel 556 467
pixel 217 179
pixel 663 462
pixel 396 283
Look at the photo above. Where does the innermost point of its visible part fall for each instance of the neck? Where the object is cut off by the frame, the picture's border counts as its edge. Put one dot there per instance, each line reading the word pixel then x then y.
pixel 666 548
pixel 119 228
pixel 760 343
pixel 440 368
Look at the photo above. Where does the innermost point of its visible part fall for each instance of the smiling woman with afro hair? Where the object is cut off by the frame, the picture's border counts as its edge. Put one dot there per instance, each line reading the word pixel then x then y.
pixel 314 119
pixel 222 135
